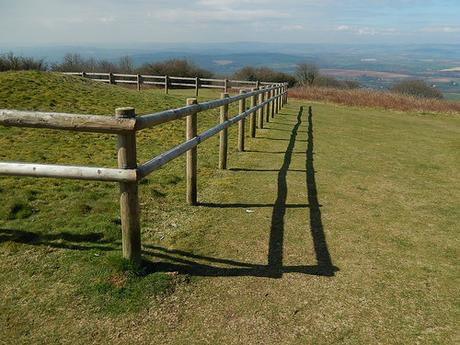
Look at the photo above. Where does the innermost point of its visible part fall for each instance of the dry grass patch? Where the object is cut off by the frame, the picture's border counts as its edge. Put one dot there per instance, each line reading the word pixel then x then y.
pixel 375 99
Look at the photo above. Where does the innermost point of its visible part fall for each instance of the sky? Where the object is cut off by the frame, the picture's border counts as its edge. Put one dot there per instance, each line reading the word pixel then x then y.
pixel 69 22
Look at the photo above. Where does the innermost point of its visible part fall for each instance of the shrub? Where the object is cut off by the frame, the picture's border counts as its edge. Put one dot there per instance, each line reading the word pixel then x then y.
pixel 76 63
pixel 264 74
pixel 306 73
pixel 175 67
pixel 417 88
pixel 10 62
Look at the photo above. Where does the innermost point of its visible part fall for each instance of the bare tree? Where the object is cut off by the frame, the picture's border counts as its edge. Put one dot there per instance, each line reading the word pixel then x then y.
pixel 126 64
pixel 306 73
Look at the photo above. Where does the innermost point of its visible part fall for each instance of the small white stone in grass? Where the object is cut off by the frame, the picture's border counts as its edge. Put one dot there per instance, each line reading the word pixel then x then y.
pixel 97 254
pixel 250 211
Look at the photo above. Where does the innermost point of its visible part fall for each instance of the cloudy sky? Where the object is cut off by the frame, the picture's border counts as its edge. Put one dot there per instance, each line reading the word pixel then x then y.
pixel 25 22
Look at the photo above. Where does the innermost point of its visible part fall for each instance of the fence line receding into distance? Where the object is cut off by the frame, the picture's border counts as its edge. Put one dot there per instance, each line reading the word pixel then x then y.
pixel 168 82
pixel 268 100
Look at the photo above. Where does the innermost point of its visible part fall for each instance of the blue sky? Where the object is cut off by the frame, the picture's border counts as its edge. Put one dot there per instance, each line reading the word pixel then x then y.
pixel 25 22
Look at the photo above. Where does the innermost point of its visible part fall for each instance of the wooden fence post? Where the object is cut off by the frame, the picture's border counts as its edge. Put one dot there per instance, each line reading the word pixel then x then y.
pixel 166 84
pixel 226 85
pixel 191 132
pixel 258 84
pixel 242 109
pixel 129 198
pixel 139 82
pixel 286 96
pixel 252 127
pixel 280 102
pixel 267 114
pixel 269 95
pixel 223 135
pixel 83 74
pixel 261 110
pixel 283 97
pixel 273 94
pixel 277 100
pixel 111 79
pixel 197 86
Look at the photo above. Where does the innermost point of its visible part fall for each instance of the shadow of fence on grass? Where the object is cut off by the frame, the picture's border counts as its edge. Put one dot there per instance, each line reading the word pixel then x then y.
pixel 193 264
pixel 188 263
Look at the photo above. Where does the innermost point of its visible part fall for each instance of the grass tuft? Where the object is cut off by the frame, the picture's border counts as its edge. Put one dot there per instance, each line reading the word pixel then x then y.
pixel 20 210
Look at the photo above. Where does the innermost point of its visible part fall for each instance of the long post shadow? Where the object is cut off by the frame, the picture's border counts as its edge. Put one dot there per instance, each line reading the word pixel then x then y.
pixel 275 251
pixel 323 257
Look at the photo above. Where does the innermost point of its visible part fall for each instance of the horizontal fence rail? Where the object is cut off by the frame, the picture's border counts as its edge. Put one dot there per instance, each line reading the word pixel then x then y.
pixel 265 101
pixel 170 81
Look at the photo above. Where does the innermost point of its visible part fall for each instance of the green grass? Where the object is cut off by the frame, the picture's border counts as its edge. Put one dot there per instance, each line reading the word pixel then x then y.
pixel 339 228
pixel 84 215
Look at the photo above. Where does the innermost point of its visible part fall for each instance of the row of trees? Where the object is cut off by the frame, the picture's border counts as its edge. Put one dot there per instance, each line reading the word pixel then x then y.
pixel 11 62
pixel 306 75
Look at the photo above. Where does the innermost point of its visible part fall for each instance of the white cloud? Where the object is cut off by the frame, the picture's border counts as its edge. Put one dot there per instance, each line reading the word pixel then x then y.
pixel 293 27
pixel 343 28
pixel 366 31
pixel 442 29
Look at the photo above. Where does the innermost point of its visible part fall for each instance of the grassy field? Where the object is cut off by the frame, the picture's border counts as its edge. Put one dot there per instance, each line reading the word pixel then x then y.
pixel 338 225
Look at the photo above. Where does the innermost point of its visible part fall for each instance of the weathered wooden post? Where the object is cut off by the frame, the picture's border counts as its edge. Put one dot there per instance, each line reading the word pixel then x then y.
pixel 273 94
pixel 197 86
pixel 283 95
pixel 83 74
pixel 166 84
pixel 277 91
pixel 269 95
pixel 191 132
pixel 242 109
pixel 267 114
pixel 129 199
pixel 286 97
pixel 223 136
pixel 283 87
pixel 111 79
pixel 226 85
pixel 252 127
pixel 258 84
pixel 139 82
pixel 260 112
pixel 280 101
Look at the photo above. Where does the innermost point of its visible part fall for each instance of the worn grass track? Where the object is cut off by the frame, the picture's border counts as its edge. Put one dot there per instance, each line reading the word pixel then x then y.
pixel 337 225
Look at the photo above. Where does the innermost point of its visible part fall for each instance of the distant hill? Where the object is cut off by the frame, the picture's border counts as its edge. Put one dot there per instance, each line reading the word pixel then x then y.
pixel 427 62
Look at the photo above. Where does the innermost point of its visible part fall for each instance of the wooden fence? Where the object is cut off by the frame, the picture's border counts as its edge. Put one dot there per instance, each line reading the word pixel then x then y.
pixel 168 82
pixel 265 102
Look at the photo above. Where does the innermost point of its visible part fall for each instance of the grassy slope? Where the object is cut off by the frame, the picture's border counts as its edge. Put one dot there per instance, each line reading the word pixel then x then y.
pixel 389 200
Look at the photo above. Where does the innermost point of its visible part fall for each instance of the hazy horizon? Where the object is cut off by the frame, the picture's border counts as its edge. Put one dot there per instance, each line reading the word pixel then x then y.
pixel 200 21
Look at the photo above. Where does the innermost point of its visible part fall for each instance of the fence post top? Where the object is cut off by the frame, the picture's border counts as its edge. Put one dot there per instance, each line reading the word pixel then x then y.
pixel 192 101
pixel 125 112
pixel 224 95
pixel 243 91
